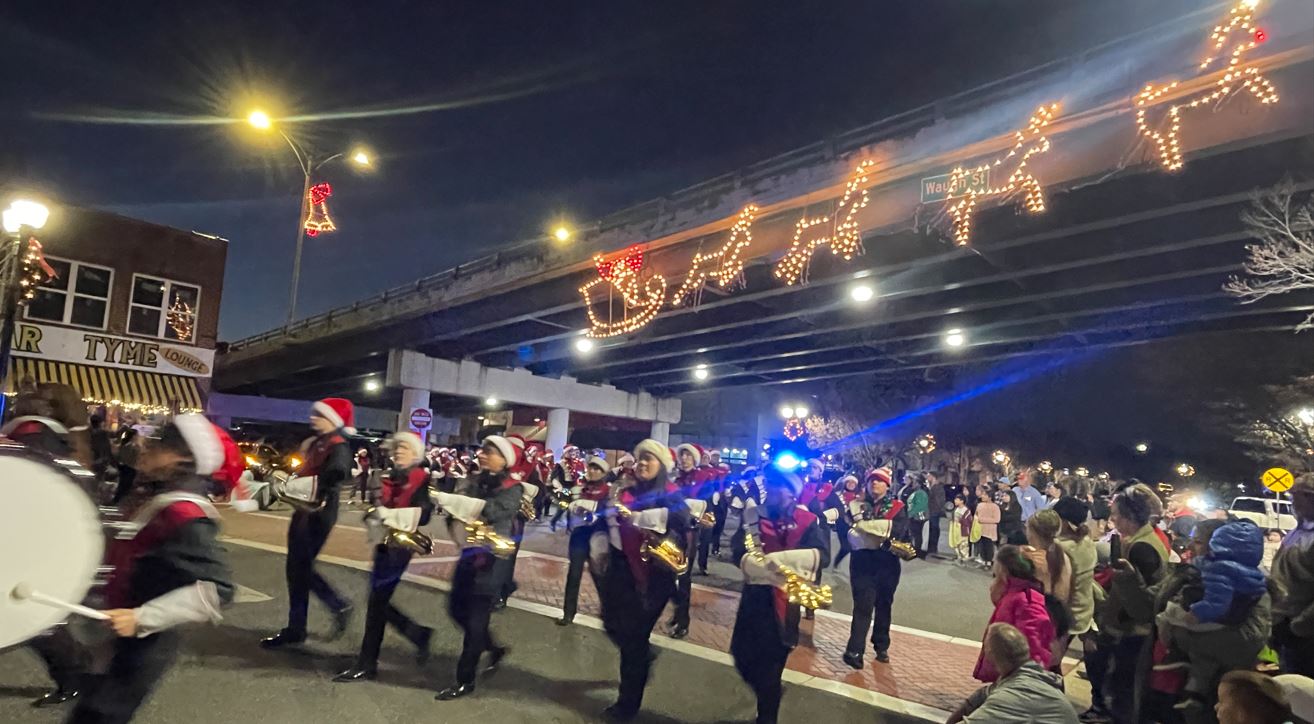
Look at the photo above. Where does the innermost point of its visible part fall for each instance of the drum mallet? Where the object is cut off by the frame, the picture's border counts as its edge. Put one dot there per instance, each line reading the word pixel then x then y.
pixel 23 592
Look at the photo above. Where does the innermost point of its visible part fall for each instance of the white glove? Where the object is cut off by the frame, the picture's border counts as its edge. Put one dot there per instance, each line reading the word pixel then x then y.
pixel 831 515
pixel 462 507
pixel 696 507
pixel 653 519
pixel 194 603
pixel 803 561
pixel 583 507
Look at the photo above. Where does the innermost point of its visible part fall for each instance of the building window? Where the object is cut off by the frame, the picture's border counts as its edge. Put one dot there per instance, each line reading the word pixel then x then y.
pixel 163 308
pixel 78 294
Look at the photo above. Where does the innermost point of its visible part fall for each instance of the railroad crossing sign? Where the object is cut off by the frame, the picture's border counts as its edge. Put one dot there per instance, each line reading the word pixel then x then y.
pixel 1279 480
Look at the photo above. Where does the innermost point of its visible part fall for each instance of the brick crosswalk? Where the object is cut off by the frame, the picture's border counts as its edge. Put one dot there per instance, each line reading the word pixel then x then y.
pixel 930 671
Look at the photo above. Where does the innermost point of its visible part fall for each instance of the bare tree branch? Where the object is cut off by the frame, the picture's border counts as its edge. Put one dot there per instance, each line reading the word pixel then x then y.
pixel 1283 260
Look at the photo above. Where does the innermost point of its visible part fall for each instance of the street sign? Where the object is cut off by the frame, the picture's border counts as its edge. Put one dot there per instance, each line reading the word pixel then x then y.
pixel 1279 480
pixel 421 418
pixel 936 188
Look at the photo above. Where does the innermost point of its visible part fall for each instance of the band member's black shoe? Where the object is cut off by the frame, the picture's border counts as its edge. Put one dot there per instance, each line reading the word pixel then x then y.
pixel 356 673
pixel 495 657
pixel 281 639
pixel 679 632
pixel 499 604
pixel 341 618
pixel 57 696
pixel 853 659
pixel 422 647
pixel 455 692
pixel 702 571
pixel 565 620
pixel 616 713
pixel 883 657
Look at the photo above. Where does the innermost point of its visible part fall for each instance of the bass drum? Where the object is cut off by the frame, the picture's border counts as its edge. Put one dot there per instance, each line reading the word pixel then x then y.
pixel 53 541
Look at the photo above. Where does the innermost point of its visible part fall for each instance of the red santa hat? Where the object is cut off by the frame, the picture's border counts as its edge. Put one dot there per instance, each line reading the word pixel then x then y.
pixel 599 462
pixel 657 450
pixel 626 459
pixel 408 439
pixel 517 440
pixel 338 411
pixel 507 449
pixel 215 454
pixel 695 450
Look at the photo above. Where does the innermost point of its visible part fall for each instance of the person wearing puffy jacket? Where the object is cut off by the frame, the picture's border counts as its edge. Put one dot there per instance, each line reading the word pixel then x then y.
pixel 1019 601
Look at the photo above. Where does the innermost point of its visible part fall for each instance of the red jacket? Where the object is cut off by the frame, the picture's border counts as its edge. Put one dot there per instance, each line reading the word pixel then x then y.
pixel 1023 606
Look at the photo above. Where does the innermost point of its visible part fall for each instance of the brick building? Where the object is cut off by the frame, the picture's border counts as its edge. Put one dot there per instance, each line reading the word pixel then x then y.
pixel 131 316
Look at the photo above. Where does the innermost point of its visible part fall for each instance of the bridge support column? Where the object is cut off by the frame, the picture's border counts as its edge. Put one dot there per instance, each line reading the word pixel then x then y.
pixel 558 429
pixel 413 399
pixel 661 432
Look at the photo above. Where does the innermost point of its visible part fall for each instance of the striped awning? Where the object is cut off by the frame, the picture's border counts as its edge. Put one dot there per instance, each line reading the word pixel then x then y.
pixel 150 391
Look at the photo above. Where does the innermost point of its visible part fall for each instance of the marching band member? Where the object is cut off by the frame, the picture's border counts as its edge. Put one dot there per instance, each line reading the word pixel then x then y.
pixel 585 505
pixel 360 475
pixel 746 494
pixel 565 476
pixel 402 504
pixel 521 473
pixel 720 505
pixel 848 491
pixel 876 519
pixel 816 496
pixel 328 461
pixel 487 502
pixel 766 626
pixel 633 557
pixel 170 572
pixel 689 478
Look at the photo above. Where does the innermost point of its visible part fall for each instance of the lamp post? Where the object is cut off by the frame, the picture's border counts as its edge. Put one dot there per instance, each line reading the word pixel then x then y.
pixel 309 165
pixel 20 219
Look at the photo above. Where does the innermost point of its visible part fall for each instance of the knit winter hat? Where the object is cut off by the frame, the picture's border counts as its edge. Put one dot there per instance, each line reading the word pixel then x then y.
pixel 1072 510
pixel 657 450
pixel 338 411
pixel 599 463
pixel 882 474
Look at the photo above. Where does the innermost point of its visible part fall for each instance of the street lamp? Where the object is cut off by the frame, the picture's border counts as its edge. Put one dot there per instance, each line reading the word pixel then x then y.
pixel 701 373
pixel 955 338
pixel 20 219
pixel 861 293
pixel 1142 447
pixel 1185 470
pixel 309 165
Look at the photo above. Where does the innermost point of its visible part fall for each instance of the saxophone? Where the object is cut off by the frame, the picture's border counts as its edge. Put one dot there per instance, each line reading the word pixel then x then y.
pixel 798 589
pixel 662 549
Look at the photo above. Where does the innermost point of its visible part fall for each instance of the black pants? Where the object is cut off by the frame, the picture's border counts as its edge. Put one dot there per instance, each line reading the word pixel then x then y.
pixel 986 548
pixel 1297 655
pixel 556 517
pixel 138 664
pixel 721 512
pixel 305 537
pixel 1122 680
pixel 758 651
pixel 389 565
pixel 628 616
pixel 127 478
pixel 578 552
pixel 683 593
pixel 471 610
pixel 933 537
pixel 66 659
pixel 362 486
pixel 915 528
pixel 874 576
pixel 706 539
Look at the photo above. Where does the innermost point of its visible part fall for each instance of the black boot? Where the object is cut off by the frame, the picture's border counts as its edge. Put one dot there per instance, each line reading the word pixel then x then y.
pixel 283 638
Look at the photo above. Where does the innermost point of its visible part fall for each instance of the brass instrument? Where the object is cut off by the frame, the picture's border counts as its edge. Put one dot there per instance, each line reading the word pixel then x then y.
pixel 707 520
pixel 527 509
pixel 798 590
pixel 278 480
pixel 482 534
pixel 662 549
pixel 413 541
pixel 903 549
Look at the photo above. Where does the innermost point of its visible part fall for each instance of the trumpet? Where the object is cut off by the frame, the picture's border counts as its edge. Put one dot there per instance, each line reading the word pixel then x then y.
pixel 662 549
pixel 480 533
pixel 798 590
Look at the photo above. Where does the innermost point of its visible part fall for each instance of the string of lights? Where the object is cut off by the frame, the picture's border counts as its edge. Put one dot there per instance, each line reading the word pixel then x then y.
pixel 623 275
pixel 181 319
pixel 844 237
pixel 1027 143
pixel 318 220
pixel 725 265
pixel 1240 31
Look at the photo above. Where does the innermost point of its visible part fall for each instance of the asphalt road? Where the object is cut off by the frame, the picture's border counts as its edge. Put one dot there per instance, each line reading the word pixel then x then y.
pixel 552 675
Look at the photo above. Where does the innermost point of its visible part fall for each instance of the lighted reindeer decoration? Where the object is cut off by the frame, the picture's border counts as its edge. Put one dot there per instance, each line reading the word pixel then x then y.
pixel 1242 35
pixel 725 265
pixel 842 234
pixel 1028 142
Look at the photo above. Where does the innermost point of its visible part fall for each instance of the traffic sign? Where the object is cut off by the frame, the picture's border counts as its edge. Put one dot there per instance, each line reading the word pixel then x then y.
pixel 1279 480
pixel 936 188
pixel 421 418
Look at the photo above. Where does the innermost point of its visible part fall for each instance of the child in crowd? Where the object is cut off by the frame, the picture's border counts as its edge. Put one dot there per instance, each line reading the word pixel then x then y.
pixel 988 515
pixel 1019 601
pixel 1248 697
pixel 1230 586
pixel 960 529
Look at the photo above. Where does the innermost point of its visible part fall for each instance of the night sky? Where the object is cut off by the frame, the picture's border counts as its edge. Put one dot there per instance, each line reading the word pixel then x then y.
pixel 490 119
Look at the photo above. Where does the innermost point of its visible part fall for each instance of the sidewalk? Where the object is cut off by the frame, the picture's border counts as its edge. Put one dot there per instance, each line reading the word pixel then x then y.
pixel 929 675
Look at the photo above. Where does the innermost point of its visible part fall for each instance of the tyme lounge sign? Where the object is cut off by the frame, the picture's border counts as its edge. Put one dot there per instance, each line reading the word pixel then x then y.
pixel 105 350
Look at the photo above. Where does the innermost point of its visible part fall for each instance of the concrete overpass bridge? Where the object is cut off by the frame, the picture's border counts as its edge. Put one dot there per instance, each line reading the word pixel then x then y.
pixel 1126 252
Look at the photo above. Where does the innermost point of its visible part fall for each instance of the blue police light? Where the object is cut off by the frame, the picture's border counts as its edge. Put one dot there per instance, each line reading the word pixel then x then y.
pixel 787 461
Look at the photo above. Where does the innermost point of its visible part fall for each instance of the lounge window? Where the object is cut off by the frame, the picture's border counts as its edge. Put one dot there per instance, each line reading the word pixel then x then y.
pixel 163 308
pixel 78 294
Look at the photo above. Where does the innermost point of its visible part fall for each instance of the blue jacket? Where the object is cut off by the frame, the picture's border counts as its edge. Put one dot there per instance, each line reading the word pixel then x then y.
pixel 1231 571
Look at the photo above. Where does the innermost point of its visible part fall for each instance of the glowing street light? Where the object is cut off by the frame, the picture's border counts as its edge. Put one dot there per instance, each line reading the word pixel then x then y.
pixel 861 293
pixel 925 443
pixel 955 338
pixel 361 158
pixel 700 373
pixel 372 385
pixel 800 412
pixel 22 212
pixel 490 402
pixel 1305 415
pixel 584 345
pixel 1142 447
pixel 561 233
pixel 1185 470
pixel 787 412
pixel 999 457
pixel 260 120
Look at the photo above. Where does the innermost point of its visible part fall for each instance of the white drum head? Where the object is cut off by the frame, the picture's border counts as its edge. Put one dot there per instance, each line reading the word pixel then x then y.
pixel 51 538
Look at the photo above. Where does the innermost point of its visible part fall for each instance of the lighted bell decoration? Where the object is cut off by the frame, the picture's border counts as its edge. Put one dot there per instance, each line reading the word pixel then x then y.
pixel 318 220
